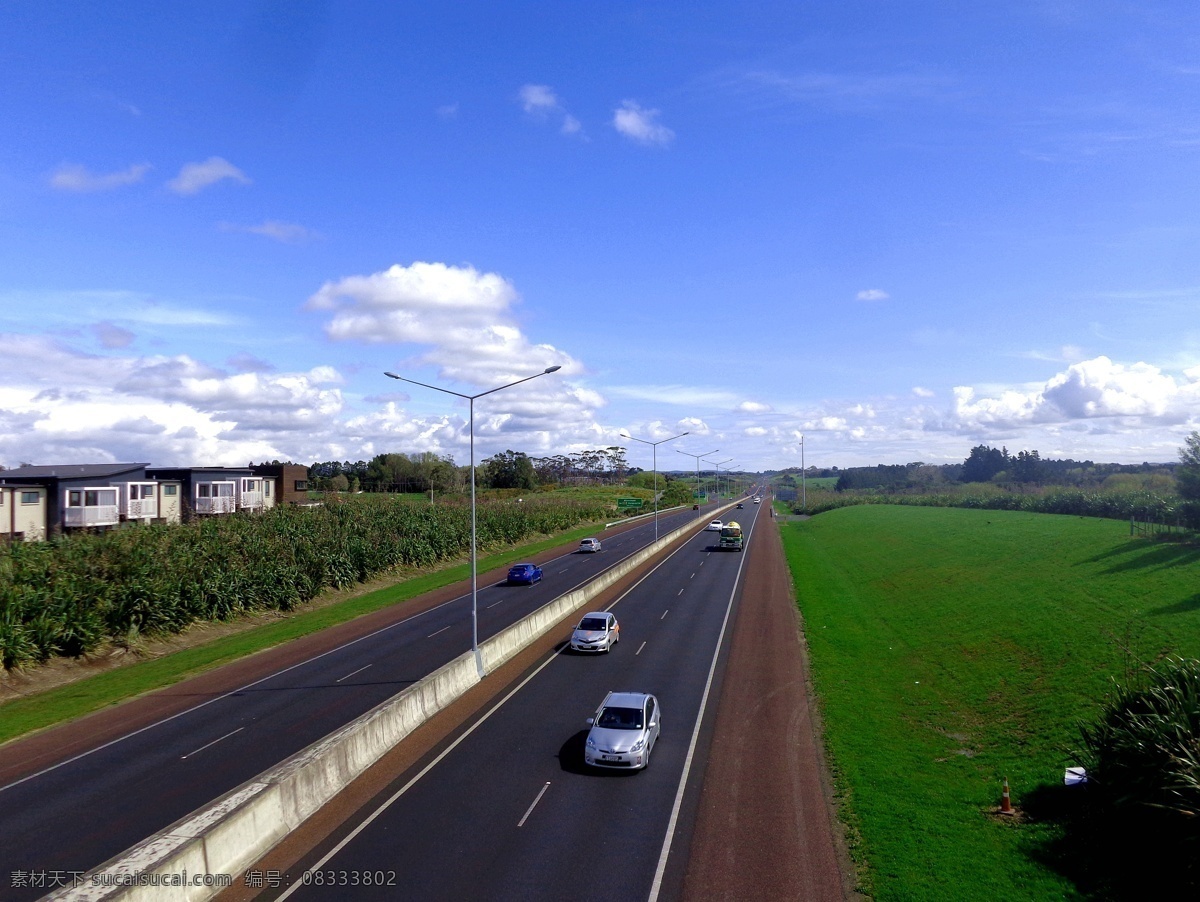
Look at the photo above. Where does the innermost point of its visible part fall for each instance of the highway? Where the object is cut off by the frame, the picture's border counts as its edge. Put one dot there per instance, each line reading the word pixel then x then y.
pixel 508 809
pixel 71 815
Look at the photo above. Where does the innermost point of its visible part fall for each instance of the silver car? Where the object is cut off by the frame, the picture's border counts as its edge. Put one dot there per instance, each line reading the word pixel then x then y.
pixel 623 731
pixel 589 545
pixel 597 631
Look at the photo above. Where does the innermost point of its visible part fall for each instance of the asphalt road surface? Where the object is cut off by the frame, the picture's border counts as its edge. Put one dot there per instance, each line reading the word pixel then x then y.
pixel 507 809
pixel 75 796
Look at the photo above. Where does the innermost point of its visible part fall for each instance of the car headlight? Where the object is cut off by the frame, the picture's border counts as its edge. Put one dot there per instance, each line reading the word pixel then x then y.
pixel 591 743
pixel 637 746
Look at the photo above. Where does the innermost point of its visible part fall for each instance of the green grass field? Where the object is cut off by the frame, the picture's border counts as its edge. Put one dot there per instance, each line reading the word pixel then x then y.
pixel 952 648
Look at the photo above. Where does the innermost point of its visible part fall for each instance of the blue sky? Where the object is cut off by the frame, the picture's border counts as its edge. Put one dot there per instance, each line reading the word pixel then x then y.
pixel 898 229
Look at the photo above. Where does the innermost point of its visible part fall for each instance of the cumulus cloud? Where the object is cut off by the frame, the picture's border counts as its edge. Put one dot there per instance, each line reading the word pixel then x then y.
pixel 753 407
pixel 922 392
pixel 1088 390
pixel 641 125
pixel 80 179
pixel 872 294
pixel 195 177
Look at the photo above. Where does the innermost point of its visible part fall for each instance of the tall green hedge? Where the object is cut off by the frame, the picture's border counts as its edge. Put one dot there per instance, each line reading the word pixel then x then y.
pixel 67 595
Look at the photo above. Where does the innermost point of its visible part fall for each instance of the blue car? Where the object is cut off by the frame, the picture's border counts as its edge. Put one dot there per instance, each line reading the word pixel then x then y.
pixel 524 573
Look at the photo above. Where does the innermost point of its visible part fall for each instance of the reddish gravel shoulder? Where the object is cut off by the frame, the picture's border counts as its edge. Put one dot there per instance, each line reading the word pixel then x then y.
pixel 765 828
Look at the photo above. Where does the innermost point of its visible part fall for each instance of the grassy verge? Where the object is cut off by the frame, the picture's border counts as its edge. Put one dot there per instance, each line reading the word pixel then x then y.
pixel 24 715
pixel 953 648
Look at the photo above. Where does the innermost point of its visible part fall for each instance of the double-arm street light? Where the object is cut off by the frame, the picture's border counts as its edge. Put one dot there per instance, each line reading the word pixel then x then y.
pixel 474 549
pixel 654 456
pixel 698 456
pixel 803 494
pixel 718 466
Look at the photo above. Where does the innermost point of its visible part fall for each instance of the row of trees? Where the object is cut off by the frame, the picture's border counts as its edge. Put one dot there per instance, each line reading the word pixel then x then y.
pixel 424 472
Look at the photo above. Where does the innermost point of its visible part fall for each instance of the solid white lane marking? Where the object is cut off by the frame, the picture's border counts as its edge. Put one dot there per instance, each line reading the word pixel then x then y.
pixel 521 822
pixel 360 670
pixel 214 742
pixel 639 651
pixel 660 871
pixel 442 630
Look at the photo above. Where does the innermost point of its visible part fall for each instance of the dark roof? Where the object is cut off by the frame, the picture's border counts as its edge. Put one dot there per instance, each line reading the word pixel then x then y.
pixel 74 471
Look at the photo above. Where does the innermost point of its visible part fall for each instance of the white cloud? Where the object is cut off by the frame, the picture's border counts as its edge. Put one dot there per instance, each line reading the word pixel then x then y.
pixel 283 232
pixel 538 98
pixel 79 179
pixel 540 102
pixel 195 177
pixel 922 392
pixel 1088 390
pixel 641 125
pixel 753 407
pixel 872 294
pixel 111 336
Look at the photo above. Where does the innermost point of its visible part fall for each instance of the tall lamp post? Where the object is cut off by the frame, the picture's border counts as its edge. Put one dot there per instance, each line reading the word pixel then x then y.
pixel 803 494
pixel 698 456
pixel 654 456
pixel 474 549
pixel 718 466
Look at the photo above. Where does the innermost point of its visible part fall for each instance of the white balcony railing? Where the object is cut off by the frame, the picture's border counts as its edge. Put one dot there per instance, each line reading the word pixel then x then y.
pixel 222 505
pixel 142 508
pixel 251 501
pixel 99 515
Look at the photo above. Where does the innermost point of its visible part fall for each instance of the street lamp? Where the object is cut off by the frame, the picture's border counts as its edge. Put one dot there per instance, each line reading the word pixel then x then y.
pixel 803 494
pixel 654 455
pixel 718 466
pixel 474 549
pixel 698 456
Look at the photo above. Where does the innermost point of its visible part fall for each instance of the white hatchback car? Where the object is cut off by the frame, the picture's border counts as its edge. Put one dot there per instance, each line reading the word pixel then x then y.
pixel 714 526
pixel 598 631
pixel 589 545
pixel 623 731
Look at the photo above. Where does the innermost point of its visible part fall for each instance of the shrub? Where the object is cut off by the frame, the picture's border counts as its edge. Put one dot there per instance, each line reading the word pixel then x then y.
pixel 1143 761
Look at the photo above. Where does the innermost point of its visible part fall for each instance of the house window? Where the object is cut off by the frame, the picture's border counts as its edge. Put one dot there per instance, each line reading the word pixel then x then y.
pixel 267 488
pixel 203 490
pixel 74 498
pixel 169 489
pixel 30 498
pixel 301 485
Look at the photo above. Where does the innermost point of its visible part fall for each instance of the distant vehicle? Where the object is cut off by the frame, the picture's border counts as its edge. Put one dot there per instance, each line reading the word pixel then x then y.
pixel 739 507
pixel 597 631
pixel 623 731
pixel 524 573
pixel 731 536
pixel 589 545
pixel 714 526
pixel 695 507
pixel 758 501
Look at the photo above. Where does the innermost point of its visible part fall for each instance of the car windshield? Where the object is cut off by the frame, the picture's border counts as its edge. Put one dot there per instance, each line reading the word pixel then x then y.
pixel 592 623
pixel 620 719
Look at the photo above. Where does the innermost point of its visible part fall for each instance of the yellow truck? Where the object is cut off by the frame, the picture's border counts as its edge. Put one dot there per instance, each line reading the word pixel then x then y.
pixel 731 536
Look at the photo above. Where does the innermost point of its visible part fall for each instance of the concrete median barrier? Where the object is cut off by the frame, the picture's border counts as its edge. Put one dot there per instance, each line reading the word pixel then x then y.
pixel 192 859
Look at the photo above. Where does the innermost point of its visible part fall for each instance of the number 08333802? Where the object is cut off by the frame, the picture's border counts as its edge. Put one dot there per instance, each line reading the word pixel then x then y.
pixel 349 878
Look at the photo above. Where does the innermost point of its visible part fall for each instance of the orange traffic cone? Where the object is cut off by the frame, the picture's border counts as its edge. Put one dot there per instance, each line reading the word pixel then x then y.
pixel 1006 801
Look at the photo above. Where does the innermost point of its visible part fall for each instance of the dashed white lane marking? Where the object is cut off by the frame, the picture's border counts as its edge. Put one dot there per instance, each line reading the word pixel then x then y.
pixel 521 822
pixel 214 742
pixel 360 670
pixel 442 630
pixel 680 592
pixel 493 604
pixel 639 651
pixel 664 614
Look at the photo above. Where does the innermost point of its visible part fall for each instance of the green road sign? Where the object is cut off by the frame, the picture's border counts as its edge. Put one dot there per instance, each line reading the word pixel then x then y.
pixel 629 502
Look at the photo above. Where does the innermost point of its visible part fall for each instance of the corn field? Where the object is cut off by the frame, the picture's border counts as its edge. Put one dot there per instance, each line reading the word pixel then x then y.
pixel 68 595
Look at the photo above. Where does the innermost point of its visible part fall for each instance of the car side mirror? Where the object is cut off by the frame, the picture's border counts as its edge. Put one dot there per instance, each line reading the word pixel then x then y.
pixel 653 724
pixel 591 720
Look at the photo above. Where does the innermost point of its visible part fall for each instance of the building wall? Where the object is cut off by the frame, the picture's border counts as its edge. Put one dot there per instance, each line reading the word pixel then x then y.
pixel 19 518
pixel 170 505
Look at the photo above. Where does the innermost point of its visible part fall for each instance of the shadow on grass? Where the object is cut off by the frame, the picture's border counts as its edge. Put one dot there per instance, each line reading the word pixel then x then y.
pixel 1109 856
pixel 1183 606
pixel 1141 555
